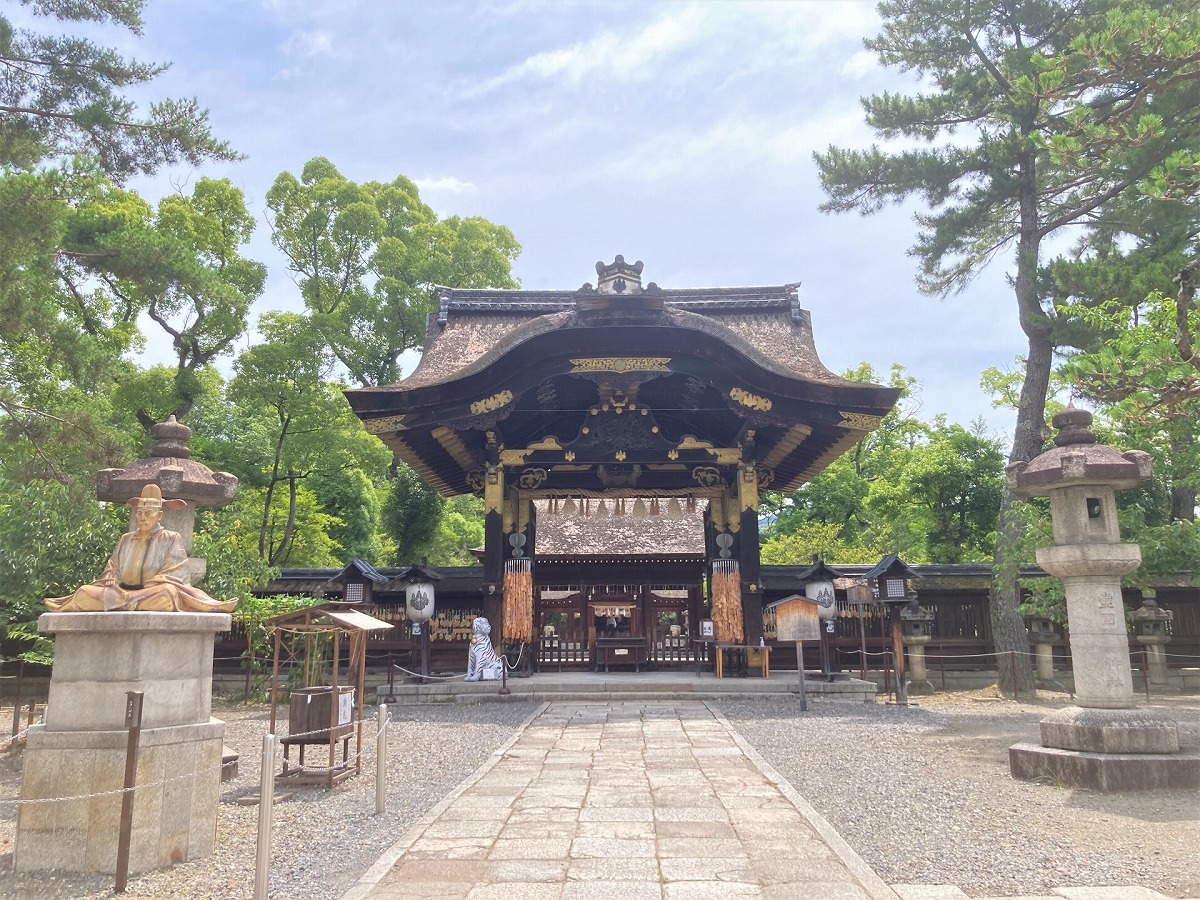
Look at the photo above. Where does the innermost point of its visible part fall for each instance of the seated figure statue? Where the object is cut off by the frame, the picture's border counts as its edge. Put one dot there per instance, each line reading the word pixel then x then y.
pixel 482 662
pixel 147 571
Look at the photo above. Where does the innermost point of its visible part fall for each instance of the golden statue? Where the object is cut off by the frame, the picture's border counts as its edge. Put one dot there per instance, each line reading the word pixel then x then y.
pixel 147 571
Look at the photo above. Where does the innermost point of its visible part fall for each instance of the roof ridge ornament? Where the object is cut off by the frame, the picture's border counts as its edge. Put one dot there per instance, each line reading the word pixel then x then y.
pixel 619 277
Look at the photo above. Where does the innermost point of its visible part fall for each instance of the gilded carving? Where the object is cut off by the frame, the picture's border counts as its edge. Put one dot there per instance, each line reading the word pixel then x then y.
pixel 749 400
pixel 477 478
pixel 706 476
pixel 622 364
pixel 765 477
pixel 724 455
pixel 532 478
pixel 492 403
pixel 518 457
pixel 493 490
pixel 747 488
pixel 387 423
pixel 861 421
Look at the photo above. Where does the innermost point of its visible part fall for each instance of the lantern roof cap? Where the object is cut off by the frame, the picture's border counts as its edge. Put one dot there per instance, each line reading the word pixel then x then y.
pixel 1150 610
pixel 170 466
pixel 892 565
pixel 361 568
pixel 818 571
pixel 417 572
pixel 1078 458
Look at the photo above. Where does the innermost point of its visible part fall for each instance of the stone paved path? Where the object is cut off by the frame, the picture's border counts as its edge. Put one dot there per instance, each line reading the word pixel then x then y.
pixel 623 800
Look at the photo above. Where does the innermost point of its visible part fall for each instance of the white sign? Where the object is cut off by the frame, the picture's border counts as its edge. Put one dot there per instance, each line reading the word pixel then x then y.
pixel 345 707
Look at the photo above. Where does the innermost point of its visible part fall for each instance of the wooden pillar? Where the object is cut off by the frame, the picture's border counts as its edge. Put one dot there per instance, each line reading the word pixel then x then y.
pixel 493 541
pixel 748 550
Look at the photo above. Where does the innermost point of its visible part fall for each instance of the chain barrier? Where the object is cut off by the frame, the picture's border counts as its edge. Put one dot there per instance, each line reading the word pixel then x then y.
pixel 419 675
pixel 150 784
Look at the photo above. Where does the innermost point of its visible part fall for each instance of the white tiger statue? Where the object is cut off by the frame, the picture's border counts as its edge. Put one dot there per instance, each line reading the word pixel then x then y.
pixel 482 662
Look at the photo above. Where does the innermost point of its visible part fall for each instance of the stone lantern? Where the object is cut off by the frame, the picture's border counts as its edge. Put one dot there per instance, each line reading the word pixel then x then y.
pixel 1152 627
pixel 171 467
pixel 1103 742
pixel 891 576
pixel 1044 639
pixel 916 624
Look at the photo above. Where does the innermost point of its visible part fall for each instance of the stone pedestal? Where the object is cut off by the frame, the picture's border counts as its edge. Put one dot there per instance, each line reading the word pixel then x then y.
pixel 1091 577
pixel 1043 655
pixel 1156 658
pixel 75 762
pixel 918 672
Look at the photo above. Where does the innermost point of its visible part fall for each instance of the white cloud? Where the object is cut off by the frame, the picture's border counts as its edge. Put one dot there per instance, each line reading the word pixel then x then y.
pixel 636 57
pixel 305 44
pixel 861 63
pixel 448 185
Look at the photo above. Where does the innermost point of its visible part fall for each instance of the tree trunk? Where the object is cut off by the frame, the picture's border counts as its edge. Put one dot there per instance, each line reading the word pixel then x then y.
pixel 1008 628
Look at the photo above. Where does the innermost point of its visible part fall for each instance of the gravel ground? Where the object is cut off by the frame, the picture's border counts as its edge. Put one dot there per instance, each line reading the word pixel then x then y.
pixel 923 794
pixel 323 841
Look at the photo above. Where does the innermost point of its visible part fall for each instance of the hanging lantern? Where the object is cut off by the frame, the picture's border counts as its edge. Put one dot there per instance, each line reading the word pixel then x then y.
pixel 418 601
pixel 569 508
pixel 674 510
pixel 639 509
pixel 602 510
pixel 821 593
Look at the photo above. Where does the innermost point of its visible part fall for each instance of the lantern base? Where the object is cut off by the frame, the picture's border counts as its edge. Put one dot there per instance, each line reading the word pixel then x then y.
pixel 1108 772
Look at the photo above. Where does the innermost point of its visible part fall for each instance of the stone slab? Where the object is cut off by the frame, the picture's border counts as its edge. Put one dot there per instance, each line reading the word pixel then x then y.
pixel 1108 772
pixel 929 892
pixel 1110 730
pixel 71 790
pixel 101 656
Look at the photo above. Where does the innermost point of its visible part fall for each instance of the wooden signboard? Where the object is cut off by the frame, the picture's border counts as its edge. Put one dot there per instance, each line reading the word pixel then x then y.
pixel 797 619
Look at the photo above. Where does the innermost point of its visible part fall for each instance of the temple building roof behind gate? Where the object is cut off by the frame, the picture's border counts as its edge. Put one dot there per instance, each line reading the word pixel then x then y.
pixel 621 385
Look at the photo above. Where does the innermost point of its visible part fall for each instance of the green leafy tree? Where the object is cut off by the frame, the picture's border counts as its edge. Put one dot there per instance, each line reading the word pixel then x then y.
pixel 367 256
pixel 64 96
pixel 459 531
pixel 1033 115
pixel 301 427
pixel 814 539
pixel 412 515
pixel 353 498
pixel 61 335
pixel 53 538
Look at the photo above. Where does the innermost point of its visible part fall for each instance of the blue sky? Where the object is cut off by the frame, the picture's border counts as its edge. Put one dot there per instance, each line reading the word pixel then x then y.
pixel 677 133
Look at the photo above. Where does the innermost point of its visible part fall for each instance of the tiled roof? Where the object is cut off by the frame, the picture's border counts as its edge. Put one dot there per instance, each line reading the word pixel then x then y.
pixel 474 327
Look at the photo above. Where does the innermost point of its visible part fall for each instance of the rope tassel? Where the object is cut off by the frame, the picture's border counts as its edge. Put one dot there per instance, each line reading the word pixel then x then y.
pixel 518 600
pixel 727 601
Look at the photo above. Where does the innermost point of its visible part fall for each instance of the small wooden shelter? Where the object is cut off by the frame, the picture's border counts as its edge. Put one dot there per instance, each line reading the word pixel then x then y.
pixel 325 721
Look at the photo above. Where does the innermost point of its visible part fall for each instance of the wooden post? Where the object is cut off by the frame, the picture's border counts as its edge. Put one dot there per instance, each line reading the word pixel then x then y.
pixel 381 726
pixel 275 678
pixel 334 706
pixel 800 669
pixel 898 650
pixel 266 813
pixel 133 721
pixel 361 639
pixel 17 700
